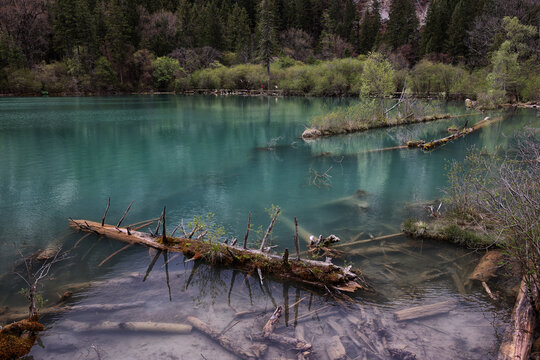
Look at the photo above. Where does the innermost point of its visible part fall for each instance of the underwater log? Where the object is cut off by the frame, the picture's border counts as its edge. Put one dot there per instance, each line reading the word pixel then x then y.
pixel 223 340
pixel 425 310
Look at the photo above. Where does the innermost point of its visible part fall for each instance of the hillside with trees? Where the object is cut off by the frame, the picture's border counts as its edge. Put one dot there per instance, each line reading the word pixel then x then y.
pixel 314 47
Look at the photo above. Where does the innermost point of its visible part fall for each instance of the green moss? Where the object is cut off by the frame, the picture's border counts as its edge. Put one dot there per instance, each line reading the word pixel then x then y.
pixel 465 237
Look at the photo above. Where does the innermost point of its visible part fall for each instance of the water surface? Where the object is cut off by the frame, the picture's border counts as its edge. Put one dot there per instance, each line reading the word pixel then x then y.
pixel 63 157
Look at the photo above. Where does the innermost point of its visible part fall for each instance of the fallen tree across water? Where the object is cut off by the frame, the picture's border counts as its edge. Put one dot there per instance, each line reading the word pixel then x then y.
pixel 323 275
pixel 460 133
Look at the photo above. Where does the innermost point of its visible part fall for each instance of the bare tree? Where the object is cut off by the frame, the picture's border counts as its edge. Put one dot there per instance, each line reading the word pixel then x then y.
pixel 26 21
pixel 32 277
pixel 502 195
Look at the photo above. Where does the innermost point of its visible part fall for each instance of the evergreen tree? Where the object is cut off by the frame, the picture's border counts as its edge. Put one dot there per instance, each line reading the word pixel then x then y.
pixel 369 29
pixel 462 18
pixel 211 26
pixel 438 18
pixel 238 32
pixel 402 23
pixel 266 34
pixel 348 27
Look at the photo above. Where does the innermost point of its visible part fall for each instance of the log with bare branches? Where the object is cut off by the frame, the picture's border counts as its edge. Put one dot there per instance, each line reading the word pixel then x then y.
pixel 310 272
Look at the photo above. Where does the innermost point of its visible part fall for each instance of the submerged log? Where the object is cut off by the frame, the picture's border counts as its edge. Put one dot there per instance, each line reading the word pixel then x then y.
pixel 425 310
pixel 224 341
pixel 336 350
pixel 311 272
pixel 519 336
pixel 487 266
pixel 143 326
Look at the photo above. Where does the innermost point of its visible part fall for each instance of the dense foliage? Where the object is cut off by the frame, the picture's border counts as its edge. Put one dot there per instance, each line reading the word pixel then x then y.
pixel 88 46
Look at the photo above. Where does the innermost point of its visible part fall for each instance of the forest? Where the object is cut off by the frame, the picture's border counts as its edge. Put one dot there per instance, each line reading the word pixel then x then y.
pixel 483 49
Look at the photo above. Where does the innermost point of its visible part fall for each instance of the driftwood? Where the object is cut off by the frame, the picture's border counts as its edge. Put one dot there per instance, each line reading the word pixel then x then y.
pixel 519 336
pixel 336 350
pixel 310 272
pixel 19 313
pixel 425 310
pixel 271 323
pixel 356 242
pixel 144 326
pixel 225 342
pixel 488 265
pixel 268 334
pixel 457 281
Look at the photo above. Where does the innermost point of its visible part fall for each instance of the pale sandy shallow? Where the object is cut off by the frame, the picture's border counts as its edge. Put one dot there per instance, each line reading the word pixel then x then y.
pixel 468 332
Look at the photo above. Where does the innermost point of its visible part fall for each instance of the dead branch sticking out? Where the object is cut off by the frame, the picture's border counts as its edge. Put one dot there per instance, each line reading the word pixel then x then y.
pixel 123 216
pixel 106 211
pixel 320 179
pixel 269 230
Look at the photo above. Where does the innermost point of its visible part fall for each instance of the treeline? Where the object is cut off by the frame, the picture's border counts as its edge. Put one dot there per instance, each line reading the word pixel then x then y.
pixel 93 46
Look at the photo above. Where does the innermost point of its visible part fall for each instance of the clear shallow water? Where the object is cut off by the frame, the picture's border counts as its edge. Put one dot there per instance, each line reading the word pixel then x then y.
pixel 63 157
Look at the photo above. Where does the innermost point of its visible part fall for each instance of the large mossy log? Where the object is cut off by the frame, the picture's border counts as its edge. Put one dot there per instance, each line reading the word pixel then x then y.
pixel 310 272
pixel 460 133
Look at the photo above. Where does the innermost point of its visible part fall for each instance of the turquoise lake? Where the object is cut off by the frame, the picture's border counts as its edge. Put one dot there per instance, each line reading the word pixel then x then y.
pixel 229 156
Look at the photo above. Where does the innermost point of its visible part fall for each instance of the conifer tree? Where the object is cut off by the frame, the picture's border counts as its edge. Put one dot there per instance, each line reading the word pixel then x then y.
pixel 266 34
pixel 369 29
pixel 438 18
pixel 238 31
pixel 402 23
pixel 462 18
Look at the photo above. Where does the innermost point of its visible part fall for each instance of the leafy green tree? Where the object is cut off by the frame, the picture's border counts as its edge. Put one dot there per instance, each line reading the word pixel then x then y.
pixel 514 59
pixel 402 25
pixel 266 35
pixel 377 76
pixel 105 77
pixel 165 71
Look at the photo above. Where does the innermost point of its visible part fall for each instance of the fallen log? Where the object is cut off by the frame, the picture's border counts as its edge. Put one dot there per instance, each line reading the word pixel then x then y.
pixel 352 201
pixel 143 326
pixel 336 350
pixel 355 242
pixel 461 133
pixel 268 334
pixel 487 266
pixel 224 341
pixel 19 313
pixel 519 335
pixel 425 310
pixel 302 232
pixel 311 272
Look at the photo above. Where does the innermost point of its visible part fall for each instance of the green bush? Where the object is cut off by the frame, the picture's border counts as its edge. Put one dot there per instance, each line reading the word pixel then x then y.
pixel 531 91
pixel 491 99
pixel 105 78
pixel 21 81
pixel 165 71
